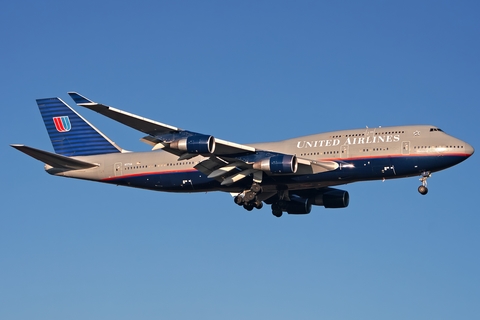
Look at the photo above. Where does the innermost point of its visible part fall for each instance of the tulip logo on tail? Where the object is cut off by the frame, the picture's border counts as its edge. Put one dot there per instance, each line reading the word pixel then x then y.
pixel 62 124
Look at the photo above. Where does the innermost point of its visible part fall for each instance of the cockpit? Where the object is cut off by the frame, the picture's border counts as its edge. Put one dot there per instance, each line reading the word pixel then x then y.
pixel 436 129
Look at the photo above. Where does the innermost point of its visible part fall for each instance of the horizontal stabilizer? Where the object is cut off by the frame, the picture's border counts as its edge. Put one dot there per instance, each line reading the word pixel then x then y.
pixel 54 160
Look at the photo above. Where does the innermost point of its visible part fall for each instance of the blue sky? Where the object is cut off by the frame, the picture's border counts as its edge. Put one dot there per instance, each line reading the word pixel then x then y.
pixel 242 71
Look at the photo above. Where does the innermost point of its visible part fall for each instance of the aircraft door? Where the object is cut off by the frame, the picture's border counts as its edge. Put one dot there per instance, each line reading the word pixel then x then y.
pixel 117 168
pixel 344 151
pixel 406 147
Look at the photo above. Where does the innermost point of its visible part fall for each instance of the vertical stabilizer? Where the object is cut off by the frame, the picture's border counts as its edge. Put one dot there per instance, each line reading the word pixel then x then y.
pixel 70 133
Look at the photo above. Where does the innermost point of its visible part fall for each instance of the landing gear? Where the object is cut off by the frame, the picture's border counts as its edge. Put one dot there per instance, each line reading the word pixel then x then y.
pixel 279 206
pixel 256 188
pixel 248 206
pixel 238 200
pixel 258 204
pixel 277 210
pixel 249 196
pixel 248 199
pixel 423 188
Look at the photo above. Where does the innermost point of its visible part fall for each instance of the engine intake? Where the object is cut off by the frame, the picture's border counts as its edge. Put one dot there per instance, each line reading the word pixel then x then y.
pixel 278 164
pixel 200 144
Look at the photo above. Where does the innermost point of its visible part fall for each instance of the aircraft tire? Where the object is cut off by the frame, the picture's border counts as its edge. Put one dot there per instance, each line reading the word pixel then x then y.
pixel 249 196
pixel 277 213
pixel 276 210
pixel 248 207
pixel 238 200
pixel 256 188
pixel 423 190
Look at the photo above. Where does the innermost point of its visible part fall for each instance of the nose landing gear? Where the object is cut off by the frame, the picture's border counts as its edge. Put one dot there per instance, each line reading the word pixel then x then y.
pixel 423 188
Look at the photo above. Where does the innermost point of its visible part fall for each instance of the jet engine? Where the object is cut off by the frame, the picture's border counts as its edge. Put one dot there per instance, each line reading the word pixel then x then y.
pixel 278 164
pixel 200 144
pixel 329 198
pixel 297 205
pixel 332 198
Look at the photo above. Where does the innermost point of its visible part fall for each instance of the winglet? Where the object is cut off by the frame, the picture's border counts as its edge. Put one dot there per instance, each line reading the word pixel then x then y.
pixel 79 99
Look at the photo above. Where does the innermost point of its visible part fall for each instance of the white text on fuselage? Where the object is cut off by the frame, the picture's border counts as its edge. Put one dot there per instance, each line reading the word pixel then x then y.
pixel 348 141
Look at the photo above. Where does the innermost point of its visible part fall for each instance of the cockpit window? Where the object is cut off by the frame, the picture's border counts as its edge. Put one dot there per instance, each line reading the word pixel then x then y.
pixel 436 129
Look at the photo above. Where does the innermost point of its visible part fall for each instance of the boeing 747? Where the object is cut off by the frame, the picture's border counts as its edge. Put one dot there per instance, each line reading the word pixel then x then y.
pixel 290 175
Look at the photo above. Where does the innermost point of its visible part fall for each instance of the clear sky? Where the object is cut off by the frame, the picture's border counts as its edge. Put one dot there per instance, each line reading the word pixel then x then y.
pixel 244 71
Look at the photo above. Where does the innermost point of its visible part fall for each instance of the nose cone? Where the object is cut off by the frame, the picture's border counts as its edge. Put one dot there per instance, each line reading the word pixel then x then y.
pixel 469 149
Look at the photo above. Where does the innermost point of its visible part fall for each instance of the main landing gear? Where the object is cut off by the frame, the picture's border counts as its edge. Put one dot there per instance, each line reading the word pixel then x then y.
pixel 248 199
pixel 279 205
pixel 277 209
pixel 423 188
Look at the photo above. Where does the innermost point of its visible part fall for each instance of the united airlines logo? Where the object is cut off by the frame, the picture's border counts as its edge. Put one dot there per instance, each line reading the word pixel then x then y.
pixel 62 124
pixel 350 140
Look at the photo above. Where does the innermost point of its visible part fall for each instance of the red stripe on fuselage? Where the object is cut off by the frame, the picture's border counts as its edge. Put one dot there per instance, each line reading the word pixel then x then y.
pixel 397 156
pixel 140 174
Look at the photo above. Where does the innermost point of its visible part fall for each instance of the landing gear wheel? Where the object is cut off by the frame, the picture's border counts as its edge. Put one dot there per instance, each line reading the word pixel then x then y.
pixel 238 200
pixel 258 204
pixel 248 207
pixel 249 196
pixel 423 190
pixel 277 213
pixel 256 188
pixel 277 210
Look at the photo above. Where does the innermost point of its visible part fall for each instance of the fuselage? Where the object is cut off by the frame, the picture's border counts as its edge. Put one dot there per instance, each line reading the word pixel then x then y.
pixel 363 154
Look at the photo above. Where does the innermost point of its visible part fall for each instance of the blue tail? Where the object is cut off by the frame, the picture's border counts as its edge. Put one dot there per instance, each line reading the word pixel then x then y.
pixel 70 133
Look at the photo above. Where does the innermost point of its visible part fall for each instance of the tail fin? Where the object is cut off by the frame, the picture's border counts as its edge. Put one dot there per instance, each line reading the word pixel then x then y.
pixel 70 133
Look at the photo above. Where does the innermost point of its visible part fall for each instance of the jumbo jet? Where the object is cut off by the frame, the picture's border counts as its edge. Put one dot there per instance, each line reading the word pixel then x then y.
pixel 290 175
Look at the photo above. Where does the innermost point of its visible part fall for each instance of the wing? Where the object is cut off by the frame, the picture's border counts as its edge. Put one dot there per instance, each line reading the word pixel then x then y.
pixel 226 161
pixel 159 134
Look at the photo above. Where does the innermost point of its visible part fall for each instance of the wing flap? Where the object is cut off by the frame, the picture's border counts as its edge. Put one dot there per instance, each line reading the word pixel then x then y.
pixel 314 166
pixel 227 148
pixel 237 177
pixel 210 165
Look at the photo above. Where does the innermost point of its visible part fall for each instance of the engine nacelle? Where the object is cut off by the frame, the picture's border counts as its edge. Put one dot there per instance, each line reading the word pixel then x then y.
pixel 296 205
pixel 332 198
pixel 200 144
pixel 278 164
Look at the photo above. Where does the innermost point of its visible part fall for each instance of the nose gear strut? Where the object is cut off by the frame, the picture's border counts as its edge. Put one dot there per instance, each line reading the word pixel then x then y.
pixel 423 188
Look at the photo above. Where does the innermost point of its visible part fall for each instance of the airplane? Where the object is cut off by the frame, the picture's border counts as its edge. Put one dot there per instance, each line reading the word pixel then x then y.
pixel 290 175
